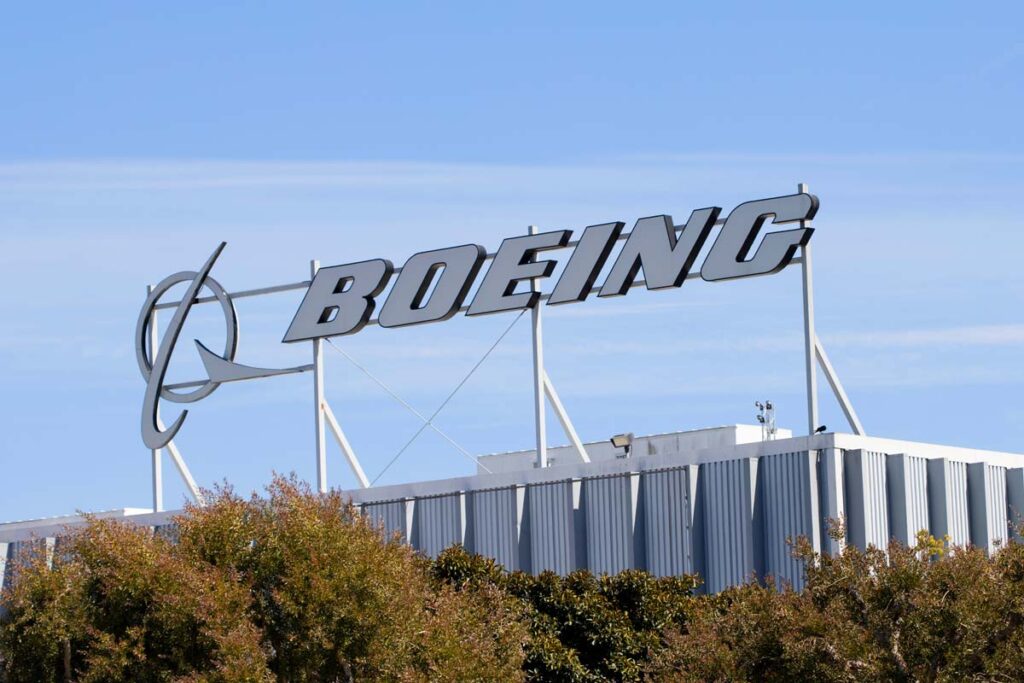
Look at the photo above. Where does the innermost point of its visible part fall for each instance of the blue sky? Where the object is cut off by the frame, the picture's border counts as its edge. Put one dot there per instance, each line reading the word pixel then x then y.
pixel 137 137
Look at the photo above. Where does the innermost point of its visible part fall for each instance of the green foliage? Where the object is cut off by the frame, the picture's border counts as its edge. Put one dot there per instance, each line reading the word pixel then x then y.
pixel 296 586
pixel 293 586
pixel 928 613
pixel 583 628
pixel 120 605
pixel 925 613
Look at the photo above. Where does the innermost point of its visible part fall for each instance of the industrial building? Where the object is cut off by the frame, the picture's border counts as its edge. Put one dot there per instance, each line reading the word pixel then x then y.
pixel 721 502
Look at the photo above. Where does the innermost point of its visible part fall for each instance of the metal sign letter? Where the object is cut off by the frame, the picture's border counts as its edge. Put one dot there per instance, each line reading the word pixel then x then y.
pixel 340 300
pixel 727 257
pixel 455 269
pixel 512 264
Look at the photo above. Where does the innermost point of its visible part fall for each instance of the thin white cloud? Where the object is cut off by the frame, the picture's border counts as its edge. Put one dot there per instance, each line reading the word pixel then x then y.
pixel 629 171
pixel 963 336
pixel 838 158
pixel 968 336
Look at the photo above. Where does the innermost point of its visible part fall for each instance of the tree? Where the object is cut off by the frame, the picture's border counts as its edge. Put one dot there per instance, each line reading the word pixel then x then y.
pixel 583 628
pixel 923 613
pixel 293 586
pixel 336 600
pixel 299 587
pixel 120 605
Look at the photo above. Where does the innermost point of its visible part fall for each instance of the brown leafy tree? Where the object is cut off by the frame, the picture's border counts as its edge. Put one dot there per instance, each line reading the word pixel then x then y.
pixel 293 586
pixel 297 586
pixel 337 601
pixel 925 613
pixel 121 605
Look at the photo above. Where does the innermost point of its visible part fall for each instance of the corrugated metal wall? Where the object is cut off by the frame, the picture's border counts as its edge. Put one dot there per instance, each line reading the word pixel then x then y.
pixel 947 500
pixel 668 522
pixel 908 497
pixel 613 541
pixel 1015 500
pixel 725 520
pixel 831 495
pixel 987 496
pixel 393 515
pixel 439 522
pixel 553 526
pixel 495 521
pixel 789 490
pixel 732 522
pixel 867 505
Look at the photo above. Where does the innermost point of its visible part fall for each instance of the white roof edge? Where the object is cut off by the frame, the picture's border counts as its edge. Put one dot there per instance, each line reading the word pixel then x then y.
pixel 640 436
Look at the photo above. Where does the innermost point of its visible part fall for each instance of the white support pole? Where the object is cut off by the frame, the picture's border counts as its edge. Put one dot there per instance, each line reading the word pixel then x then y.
pixel 563 417
pixel 156 453
pixel 810 365
pixel 837 389
pixel 538 376
pixel 318 398
pixel 346 447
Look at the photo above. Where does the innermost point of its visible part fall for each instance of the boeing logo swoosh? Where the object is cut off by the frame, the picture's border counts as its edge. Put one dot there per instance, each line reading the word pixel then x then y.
pixel 220 368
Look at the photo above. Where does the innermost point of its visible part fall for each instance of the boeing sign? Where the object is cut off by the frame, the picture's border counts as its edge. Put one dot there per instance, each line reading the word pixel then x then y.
pixel 341 299
pixel 433 286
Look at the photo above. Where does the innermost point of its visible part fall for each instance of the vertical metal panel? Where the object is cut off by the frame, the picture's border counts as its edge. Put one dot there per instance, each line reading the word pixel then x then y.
pixel 947 500
pixel 5 579
pixel 731 522
pixel 697 536
pixel 908 497
pixel 493 526
pixel 867 513
pixel 551 511
pixel 986 491
pixel 439 523
pixel 789 491
pixel 667 510
pixel 831 495
pixel 392 515
pixel 610 504
pixel 1015 501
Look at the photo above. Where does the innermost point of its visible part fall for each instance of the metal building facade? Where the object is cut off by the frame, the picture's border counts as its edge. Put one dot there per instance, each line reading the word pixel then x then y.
pixel 733 541
pixel 670 523
pixel 439 522
pixel 989 519
pixel 726 513
pixel 495 525
pixel 554 526
pixel 867 493
pixel 947 500
pixel 789 510
pixel 612 539
pixel 908 496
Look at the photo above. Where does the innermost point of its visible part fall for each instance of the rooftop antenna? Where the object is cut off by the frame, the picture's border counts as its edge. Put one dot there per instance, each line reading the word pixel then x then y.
pixel 766 418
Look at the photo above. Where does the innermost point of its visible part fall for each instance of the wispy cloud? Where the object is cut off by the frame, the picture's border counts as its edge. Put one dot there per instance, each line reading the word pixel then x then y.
pixel 964 336
pixel 633 170
pixel 968 336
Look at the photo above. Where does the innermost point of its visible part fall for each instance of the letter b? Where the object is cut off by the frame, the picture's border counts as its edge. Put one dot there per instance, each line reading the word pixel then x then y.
pixel 340 300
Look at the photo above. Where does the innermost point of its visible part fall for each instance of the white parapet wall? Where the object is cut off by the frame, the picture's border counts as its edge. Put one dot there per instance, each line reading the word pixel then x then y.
pixel 716 502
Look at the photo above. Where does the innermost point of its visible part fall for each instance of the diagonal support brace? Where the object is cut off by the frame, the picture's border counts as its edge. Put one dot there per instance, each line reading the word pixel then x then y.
pixel 346 447
pixel 837 388
pixel 563 417
pixel 179 463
